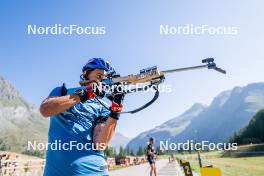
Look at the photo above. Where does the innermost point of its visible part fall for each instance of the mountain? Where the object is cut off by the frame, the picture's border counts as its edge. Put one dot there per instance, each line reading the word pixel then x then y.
pixel 119 140
pixel 169 129
pixel 253 132
pixel 229 111
pixel 20 121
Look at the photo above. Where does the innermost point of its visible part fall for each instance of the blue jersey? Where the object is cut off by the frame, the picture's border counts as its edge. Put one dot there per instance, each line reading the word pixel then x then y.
pixel 72 132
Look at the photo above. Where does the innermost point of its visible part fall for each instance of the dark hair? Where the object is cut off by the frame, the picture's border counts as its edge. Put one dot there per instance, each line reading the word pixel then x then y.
pixel 86 73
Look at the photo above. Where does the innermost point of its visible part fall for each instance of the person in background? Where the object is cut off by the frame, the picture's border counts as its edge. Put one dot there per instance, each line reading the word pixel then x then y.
pixel 151 157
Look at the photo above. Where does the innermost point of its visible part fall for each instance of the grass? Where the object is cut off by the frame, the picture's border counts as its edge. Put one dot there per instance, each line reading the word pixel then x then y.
pixel 117 167
pixel 244 166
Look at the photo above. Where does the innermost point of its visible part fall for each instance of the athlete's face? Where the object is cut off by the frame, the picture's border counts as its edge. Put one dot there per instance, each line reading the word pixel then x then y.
pixel 96 75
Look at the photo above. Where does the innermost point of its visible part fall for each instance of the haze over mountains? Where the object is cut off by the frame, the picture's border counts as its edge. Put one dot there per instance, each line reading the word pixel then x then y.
pixel 119 140
pixel 229 112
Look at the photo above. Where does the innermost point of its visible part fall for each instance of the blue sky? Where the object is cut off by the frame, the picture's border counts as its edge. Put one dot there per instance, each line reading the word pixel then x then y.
pixel 37 63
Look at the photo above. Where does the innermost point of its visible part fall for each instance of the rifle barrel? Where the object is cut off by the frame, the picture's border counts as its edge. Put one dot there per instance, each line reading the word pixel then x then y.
pixel 184 69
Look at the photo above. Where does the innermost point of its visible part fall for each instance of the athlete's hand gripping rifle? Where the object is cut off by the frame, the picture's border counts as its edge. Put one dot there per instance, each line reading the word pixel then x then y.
pixel 151 75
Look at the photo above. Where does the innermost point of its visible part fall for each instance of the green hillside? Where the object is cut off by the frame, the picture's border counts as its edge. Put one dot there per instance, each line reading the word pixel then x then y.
pixel 20 122
pixel 253 132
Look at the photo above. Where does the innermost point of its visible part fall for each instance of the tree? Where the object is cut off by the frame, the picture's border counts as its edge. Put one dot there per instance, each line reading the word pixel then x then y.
pixel 110 152
pixel 114 152
pixel 127 150
pixel 121 152
pixel 141 151
pixel 253 132
pixel 181 150
pixel 159 151
pixel 132 153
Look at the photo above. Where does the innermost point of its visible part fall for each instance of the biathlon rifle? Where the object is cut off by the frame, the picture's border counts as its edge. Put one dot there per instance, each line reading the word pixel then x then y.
pixel 151 75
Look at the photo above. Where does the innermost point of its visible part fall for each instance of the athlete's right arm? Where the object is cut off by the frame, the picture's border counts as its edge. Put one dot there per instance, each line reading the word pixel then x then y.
pixel 58 101
pixel 55 105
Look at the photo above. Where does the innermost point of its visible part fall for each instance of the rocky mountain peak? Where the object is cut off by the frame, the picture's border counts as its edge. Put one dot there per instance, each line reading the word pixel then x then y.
pixel 9 95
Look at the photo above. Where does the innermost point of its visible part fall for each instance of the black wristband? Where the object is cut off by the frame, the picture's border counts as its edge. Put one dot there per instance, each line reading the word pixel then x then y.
pixel 82 95
pixel 115 115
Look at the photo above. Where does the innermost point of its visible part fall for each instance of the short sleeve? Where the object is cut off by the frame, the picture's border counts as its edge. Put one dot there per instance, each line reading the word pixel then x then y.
pixel 55 92
pixel 104 112
pixel 103 115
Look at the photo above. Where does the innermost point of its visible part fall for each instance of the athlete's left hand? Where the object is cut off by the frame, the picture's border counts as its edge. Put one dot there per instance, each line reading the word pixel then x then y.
pixel 117 105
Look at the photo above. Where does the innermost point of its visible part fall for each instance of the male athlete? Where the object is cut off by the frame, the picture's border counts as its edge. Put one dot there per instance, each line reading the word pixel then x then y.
pixel 77 121
pixel 151 156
